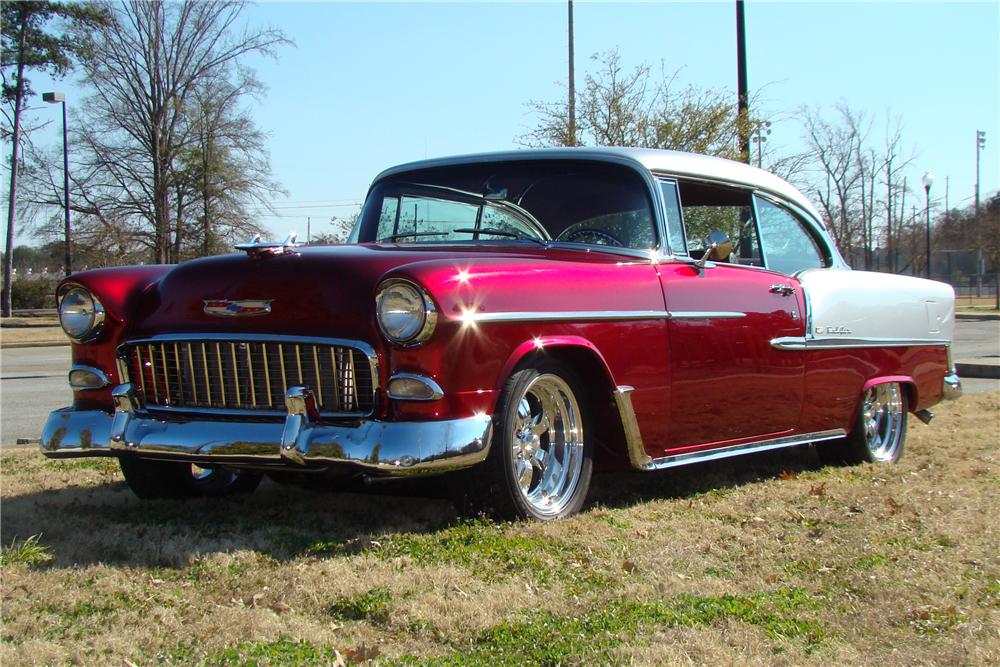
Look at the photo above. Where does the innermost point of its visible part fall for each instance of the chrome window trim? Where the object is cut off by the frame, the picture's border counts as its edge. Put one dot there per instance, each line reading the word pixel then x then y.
pixel 801 343
pixel 105 382
pixel 438 393
pixel 818 232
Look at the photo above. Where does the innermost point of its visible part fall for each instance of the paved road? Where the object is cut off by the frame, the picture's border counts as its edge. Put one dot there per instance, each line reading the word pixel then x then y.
pixel 33 379
pixel 32 384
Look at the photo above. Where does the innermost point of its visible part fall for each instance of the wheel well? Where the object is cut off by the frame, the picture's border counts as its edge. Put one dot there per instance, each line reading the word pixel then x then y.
pixel 611 452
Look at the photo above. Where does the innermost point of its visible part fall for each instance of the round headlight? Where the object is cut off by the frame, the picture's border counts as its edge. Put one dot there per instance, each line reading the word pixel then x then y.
pixel 405 314
pixel 80 313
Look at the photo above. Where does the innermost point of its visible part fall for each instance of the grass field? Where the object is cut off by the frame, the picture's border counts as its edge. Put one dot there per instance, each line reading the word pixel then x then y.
pixel 765 560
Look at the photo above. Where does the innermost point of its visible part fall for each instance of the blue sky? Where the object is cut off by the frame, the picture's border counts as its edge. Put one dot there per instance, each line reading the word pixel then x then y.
pixel 375 84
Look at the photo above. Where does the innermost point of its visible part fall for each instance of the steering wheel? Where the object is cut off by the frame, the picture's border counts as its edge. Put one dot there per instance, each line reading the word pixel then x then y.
pixel 590 235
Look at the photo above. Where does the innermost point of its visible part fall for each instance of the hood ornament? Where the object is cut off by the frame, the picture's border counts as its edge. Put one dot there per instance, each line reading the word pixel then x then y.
pixel 237 308
pixel 256 248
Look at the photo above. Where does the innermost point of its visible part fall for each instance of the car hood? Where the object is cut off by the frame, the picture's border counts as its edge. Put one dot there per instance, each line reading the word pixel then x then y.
pixel 322 291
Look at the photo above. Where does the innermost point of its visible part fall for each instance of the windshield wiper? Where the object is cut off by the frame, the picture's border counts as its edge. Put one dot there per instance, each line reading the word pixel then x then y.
pixel 403 235
pixel 493 231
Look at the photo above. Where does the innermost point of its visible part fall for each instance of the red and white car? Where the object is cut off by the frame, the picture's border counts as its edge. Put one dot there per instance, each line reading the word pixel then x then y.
pixel 525 316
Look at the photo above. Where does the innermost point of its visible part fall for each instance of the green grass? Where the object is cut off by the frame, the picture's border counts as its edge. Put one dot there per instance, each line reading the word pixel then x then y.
pixel 284 651
pixel 595 636
pixel 487 549
pixel 30 552
pixel 370 606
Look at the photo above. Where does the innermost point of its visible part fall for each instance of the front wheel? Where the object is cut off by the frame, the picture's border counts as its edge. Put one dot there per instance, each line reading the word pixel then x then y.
pixel 541 458
pixel 167 479
pixel 879 433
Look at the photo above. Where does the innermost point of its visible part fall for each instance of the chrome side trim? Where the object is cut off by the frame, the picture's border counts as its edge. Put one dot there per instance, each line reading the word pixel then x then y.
pixel 554 316
pixel 436 391
pixel 96 372
pixel 745 448
pixel 805 343
pixel 704 315
pixel 633 437
pixel 528 316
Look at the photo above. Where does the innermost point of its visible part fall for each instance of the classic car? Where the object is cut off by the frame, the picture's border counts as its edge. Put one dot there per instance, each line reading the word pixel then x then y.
pixel 518 319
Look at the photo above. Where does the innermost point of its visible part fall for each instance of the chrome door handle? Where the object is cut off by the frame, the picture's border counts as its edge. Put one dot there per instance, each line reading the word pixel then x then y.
pixel 782 289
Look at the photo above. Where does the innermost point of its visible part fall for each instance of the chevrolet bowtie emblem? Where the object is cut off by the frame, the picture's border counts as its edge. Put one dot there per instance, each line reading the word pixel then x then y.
pixel 234 308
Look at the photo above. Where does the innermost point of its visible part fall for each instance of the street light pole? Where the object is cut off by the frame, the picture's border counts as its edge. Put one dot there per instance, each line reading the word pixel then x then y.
pixel 52 98
pixel 928 180
pixel 980 144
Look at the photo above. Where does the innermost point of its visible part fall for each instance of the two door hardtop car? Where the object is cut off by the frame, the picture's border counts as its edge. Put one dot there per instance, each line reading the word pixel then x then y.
pixel 524 316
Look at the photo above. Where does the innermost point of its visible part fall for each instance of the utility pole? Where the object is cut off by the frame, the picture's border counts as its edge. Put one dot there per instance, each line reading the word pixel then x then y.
pixel 743 103
pixel 980 145
pixel 888 212
pixel 572 82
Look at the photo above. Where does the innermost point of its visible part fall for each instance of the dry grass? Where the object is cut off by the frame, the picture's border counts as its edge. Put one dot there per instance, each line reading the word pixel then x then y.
pixel 31 331
pixel 765 560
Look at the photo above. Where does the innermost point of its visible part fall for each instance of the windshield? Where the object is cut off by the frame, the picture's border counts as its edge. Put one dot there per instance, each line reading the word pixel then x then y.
pixel 559 202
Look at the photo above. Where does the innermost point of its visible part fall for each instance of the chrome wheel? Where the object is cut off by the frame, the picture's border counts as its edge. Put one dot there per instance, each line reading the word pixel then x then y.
pixel 546 442
pixel 883 418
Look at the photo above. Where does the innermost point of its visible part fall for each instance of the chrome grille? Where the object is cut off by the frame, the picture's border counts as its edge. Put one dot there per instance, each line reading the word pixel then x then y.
pixel 207 374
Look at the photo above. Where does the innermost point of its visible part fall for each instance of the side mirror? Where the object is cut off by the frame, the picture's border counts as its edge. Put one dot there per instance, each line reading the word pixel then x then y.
pixel 718 246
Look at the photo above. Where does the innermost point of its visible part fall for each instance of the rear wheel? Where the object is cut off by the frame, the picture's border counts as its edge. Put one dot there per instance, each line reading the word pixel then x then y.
pixel 541 457
pixel 168 479
pixel 879 432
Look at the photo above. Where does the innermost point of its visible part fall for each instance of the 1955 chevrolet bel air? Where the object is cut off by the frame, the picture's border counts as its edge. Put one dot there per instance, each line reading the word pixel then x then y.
pixel 524 316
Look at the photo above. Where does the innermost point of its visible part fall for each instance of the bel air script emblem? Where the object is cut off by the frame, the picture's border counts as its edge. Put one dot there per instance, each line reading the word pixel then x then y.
pixel 233 308
pixel 840 330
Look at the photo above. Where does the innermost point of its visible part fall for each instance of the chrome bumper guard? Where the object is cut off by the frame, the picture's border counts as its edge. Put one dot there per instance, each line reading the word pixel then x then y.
pixel 388 447
pixel 952 385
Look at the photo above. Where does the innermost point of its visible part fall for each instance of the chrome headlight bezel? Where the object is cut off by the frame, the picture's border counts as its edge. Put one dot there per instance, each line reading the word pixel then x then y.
pixel 92 312
pixel 423 313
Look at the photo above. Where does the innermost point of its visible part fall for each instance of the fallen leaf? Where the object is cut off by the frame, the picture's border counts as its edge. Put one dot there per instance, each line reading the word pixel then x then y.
pixel 787 475
pixel 629 566
pixel 362 653
pixel 818 490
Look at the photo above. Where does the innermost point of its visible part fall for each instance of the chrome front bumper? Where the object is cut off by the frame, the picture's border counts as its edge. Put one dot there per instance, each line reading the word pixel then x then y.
pixel 398 448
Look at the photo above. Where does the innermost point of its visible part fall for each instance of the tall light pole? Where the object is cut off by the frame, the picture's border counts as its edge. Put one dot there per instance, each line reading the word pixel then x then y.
pixel 980 145
pixel 571 130
pixel 928 181
pixel 52 98
pixel 743 95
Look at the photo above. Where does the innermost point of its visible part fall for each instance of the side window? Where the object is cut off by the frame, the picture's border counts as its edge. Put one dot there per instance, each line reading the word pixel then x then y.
pixel 788 245
pixel 714 208
pixel 675 225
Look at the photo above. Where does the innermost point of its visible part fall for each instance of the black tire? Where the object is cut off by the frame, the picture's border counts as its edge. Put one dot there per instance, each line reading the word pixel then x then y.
pixel 541 441
pixel 879 432
pixel 167 479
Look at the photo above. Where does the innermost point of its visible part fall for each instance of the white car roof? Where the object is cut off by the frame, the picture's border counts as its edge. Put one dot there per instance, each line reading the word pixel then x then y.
pixel 674 163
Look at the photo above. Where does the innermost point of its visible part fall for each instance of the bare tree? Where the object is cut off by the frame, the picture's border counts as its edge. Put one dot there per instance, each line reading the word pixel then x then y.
pixel 147 68
pixel 634 107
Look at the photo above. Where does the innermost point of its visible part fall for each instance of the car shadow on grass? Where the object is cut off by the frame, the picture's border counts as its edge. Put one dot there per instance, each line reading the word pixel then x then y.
pixel 106 523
